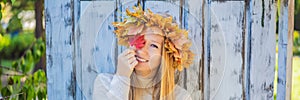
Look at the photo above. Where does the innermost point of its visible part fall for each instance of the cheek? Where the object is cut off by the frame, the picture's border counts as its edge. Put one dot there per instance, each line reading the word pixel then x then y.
pixel 155 60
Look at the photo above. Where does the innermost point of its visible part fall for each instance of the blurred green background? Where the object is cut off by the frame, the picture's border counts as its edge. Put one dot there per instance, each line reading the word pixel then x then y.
pixel 22 50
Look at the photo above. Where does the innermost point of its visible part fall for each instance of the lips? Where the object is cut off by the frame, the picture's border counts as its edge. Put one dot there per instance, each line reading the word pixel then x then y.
pixel 140 59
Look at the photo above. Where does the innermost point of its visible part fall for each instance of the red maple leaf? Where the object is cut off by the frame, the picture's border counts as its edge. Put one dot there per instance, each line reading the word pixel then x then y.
pixel 138 41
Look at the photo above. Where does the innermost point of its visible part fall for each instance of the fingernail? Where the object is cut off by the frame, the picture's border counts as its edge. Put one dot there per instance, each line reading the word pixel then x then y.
pixel 132 48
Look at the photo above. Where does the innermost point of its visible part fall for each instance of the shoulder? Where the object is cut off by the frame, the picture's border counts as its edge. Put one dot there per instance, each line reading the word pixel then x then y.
pixel 182 94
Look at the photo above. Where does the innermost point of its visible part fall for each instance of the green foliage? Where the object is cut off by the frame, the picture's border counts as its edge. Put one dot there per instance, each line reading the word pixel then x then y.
pixel 32 56
pixel 4 41
pixel 14 24
pixel 297 7
pixel 296 43
pixel 13 1
pixel 18 45
pixel 22 83
pixel 0 11
pixel 297 15
pixel 25 50
pixel 34 86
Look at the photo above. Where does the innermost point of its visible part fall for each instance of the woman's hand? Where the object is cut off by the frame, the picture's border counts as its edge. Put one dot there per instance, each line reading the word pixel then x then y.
pixel 126 62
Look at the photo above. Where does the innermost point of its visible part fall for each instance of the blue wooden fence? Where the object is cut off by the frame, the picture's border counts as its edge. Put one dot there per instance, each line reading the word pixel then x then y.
pixel 234 42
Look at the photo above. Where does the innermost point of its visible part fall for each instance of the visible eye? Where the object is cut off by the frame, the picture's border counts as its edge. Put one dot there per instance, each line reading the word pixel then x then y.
pixel 153 45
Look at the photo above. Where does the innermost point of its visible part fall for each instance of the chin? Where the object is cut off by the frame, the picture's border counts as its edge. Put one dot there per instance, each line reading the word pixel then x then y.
pixel 141 66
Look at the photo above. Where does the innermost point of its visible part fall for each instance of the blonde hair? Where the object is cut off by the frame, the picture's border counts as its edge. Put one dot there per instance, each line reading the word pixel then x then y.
pixel 164 89
pixel 168 77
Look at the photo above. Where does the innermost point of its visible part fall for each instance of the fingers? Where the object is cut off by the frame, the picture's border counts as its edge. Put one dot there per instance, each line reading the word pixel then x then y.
pixel 128 58
pixel 132 60
pixel 126 62
pixel 128 51
pixel 132 48
pixel 133 64
pixel 130 55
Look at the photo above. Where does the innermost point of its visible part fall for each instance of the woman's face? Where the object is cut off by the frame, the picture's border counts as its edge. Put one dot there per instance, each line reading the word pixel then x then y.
pixel 149 56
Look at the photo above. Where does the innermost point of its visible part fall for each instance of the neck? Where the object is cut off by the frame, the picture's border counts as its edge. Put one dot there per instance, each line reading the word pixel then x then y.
pixel 145 79
pixel 146 73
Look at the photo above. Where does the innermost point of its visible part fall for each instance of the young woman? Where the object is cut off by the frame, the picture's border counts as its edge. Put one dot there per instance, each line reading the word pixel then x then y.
pixel 158 50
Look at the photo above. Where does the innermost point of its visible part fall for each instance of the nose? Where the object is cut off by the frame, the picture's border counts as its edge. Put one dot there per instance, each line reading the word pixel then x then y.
pixel 143 51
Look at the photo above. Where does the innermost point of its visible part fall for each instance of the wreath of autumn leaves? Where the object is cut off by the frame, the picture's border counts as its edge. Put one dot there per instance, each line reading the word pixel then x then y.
pixel 176 40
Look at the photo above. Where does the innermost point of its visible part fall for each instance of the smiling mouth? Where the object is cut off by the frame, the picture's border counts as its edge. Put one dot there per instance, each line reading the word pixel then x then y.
pixel 140 59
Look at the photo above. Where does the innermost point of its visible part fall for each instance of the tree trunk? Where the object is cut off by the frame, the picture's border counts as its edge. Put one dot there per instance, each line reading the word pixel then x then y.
pixel 39 31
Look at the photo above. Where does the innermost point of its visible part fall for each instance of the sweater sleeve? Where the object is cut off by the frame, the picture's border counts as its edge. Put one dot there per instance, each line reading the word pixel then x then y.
pixel 182 94
pixel 111 87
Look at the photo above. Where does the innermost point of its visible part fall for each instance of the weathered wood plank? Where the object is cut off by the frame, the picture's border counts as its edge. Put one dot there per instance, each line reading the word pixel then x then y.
pixel 59 44
pixel 247 49
pixel 262 55
pixel 96 52
pixel 76 53
pixel 206 49
pixel 226 50
pixel 285 52
pixel 193 22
